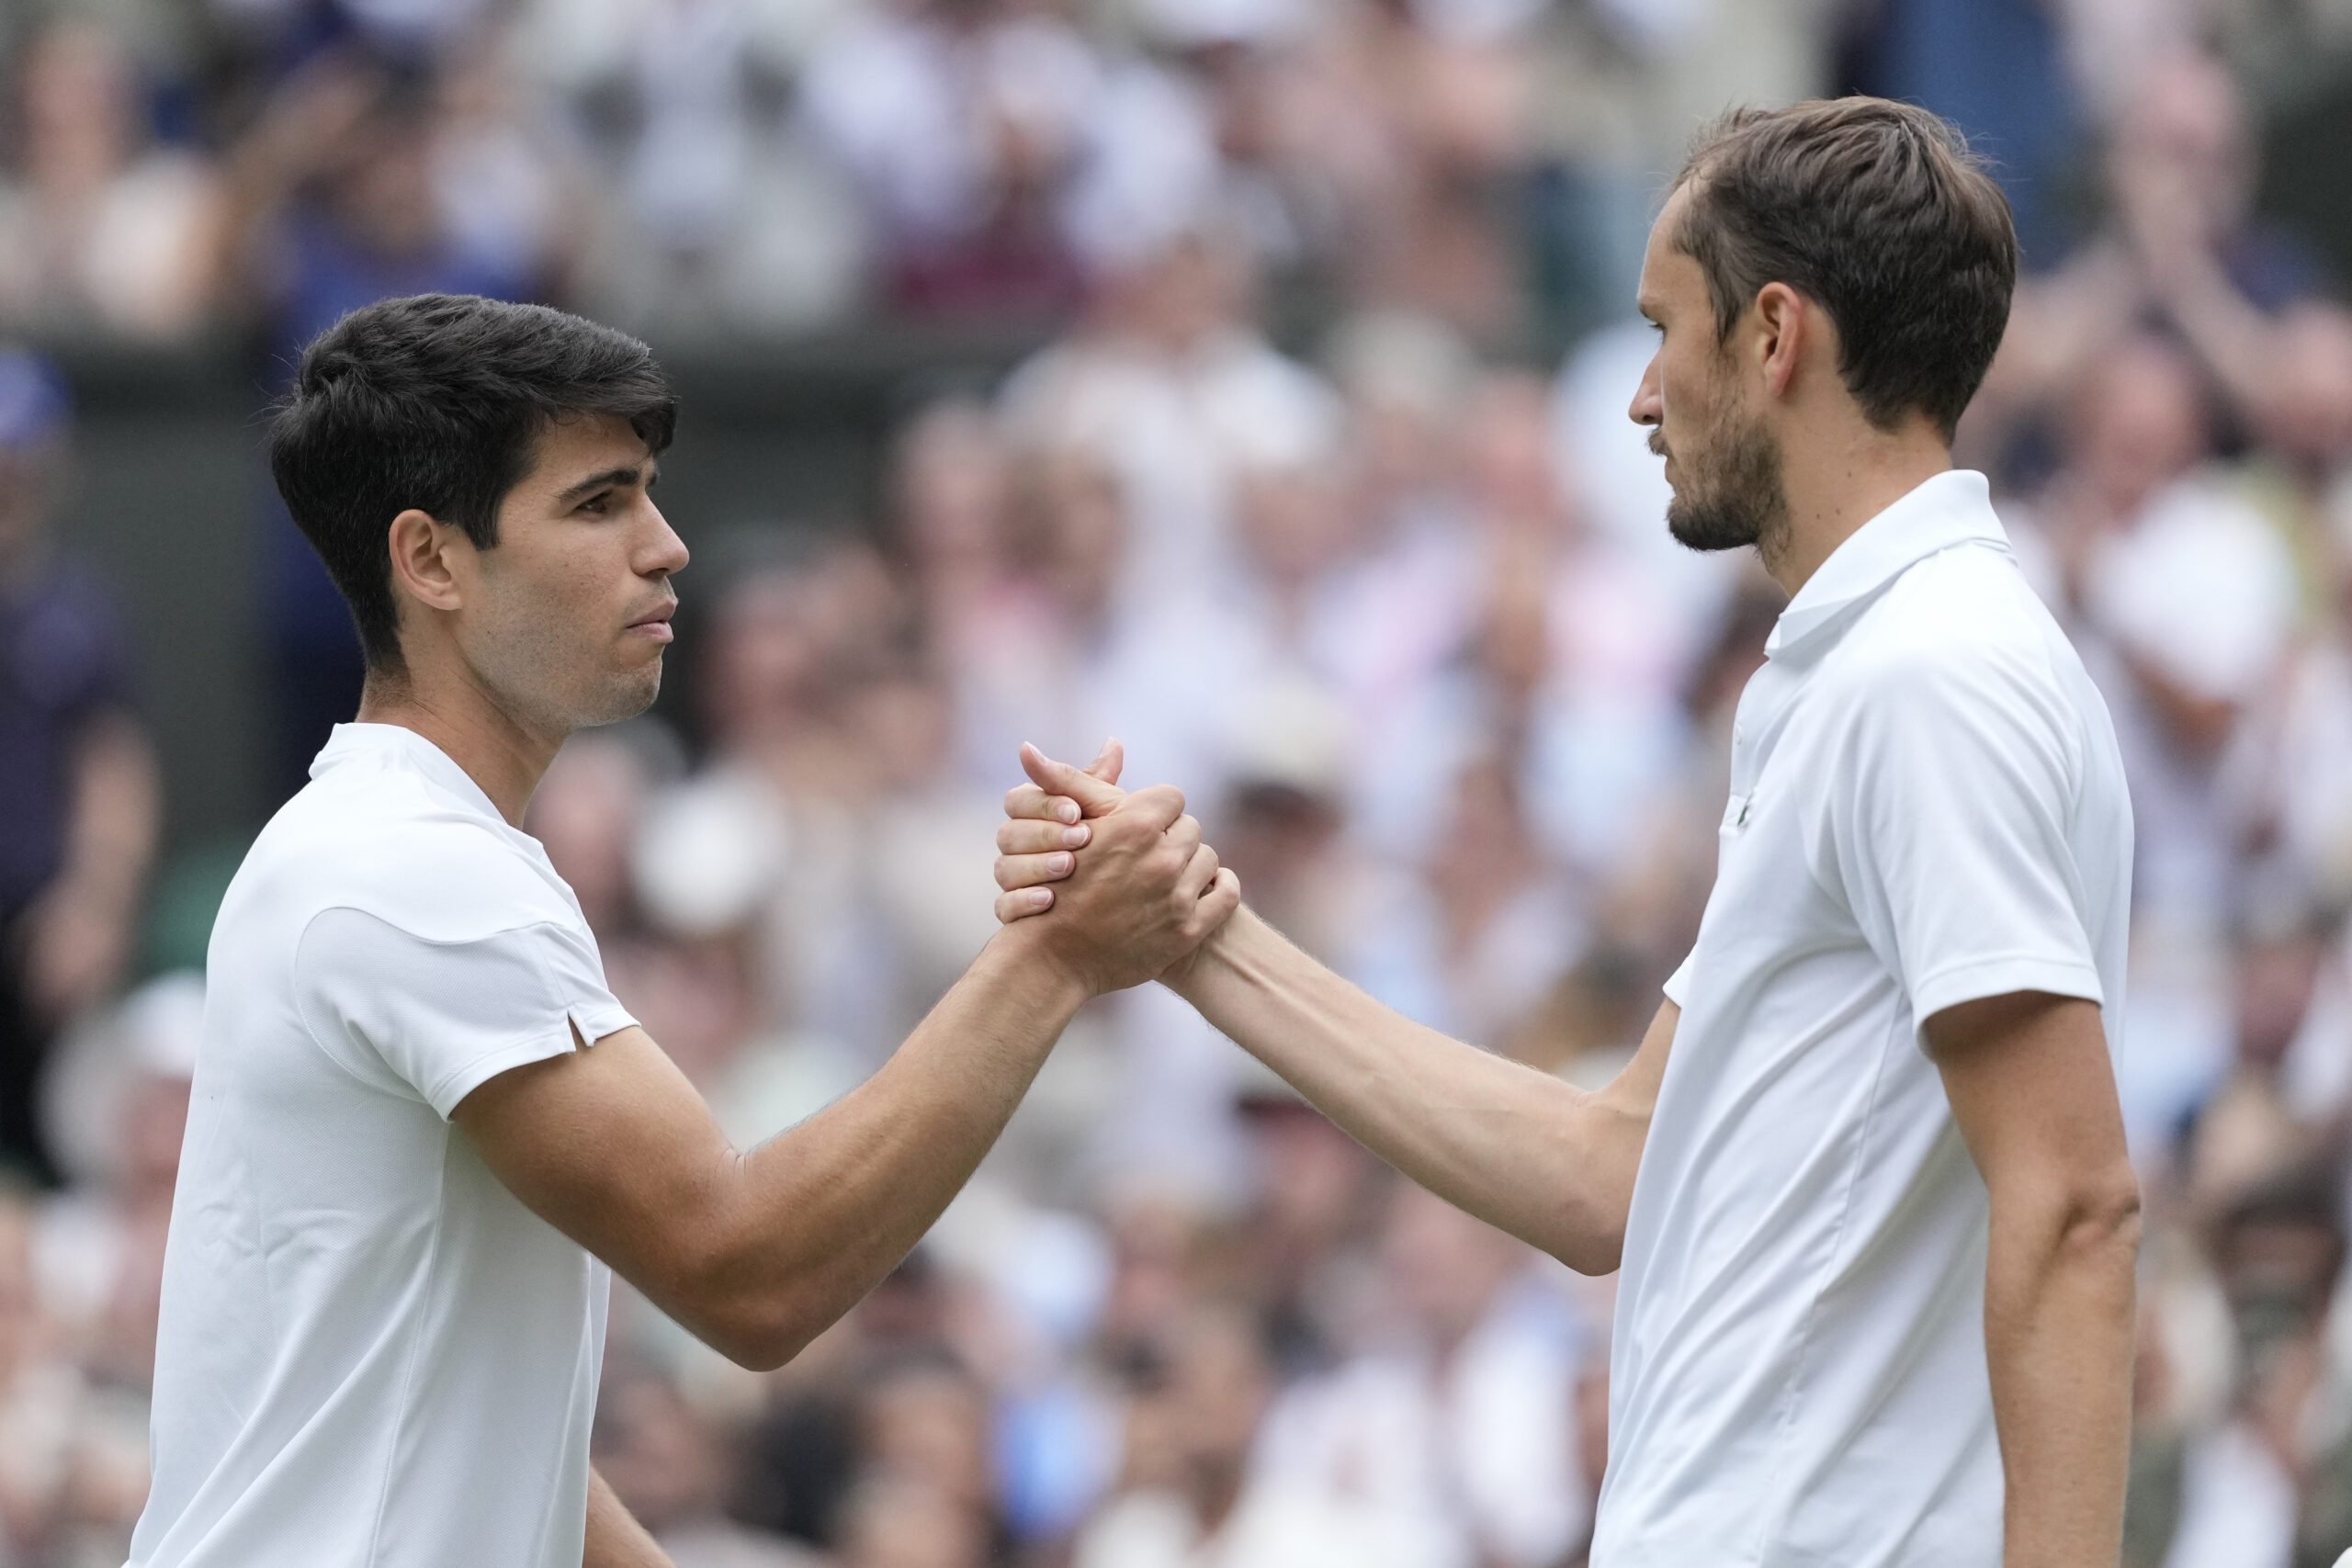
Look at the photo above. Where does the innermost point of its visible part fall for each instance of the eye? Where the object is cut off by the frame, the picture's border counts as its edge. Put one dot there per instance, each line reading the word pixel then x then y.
pixel 597 504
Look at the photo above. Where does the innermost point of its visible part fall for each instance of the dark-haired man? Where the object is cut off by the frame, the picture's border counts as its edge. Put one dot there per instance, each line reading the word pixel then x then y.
pixel 422 1127
pixel 1866 1176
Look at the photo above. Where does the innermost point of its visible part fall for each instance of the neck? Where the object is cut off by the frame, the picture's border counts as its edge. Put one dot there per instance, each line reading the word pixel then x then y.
pixel 1216 1492
pixel 499 751
pixel 1834 486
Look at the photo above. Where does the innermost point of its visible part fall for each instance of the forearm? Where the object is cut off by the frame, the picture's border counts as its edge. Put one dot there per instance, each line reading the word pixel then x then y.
pixel 1531 1156
pixel 2058 1339
pixel 117 806
pixel 2226 331
pixel 614 1537
pixel 826 1209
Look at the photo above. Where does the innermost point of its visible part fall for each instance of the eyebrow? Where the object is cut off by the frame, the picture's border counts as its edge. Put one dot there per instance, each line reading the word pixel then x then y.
pixel 609 478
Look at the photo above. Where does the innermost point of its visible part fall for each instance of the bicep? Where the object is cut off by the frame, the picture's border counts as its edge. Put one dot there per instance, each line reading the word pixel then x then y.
pixel 1633 1091
pixel 2033 1090
pixel 614 1147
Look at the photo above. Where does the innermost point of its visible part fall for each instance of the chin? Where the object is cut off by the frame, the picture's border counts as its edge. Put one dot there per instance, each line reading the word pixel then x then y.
pixel 624 699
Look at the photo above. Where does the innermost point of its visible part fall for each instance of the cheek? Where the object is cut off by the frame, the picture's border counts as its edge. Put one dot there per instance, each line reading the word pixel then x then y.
pixel 1684 392
pixel 545 615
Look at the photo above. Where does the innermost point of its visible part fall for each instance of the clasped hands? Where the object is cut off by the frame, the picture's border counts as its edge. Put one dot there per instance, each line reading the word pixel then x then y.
pixel 1133 890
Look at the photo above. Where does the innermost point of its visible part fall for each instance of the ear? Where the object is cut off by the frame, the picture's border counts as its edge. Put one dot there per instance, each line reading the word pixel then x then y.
pixel 422 568
pixel 1783 335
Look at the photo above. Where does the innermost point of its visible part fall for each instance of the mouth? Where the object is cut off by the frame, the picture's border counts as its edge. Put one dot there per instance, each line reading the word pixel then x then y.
pixel 656 625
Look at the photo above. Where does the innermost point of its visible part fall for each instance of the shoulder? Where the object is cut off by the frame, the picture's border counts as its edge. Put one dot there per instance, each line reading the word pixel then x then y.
pixel 1959 656
pixel 383 844
pixel 1963 625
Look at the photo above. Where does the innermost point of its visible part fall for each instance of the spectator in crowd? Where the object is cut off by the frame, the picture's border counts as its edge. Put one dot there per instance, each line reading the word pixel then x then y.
pixel 664 1461
pixel 2185 253
pixel 1463 1429
pixel 727 211
pixel 963 124
pixel 1191 1497
pixel 1172 388
pixel 78 826
pixel 100 230
pixel 2268 1485
pixel 1313 1229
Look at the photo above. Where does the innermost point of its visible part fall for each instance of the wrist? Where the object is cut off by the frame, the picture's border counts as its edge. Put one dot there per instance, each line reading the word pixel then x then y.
pixel 1215 955
pixel 1026 952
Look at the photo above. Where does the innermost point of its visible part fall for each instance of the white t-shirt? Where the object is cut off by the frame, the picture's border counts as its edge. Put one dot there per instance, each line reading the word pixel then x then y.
pixel 371 1354
pixel 1927 806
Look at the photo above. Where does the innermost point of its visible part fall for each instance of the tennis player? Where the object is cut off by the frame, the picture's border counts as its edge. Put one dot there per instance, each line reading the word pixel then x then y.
pixel 1866 1177
pixel 422 1129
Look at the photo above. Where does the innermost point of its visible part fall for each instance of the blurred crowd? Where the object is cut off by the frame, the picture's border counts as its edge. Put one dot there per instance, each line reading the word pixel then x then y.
pixel 1393 602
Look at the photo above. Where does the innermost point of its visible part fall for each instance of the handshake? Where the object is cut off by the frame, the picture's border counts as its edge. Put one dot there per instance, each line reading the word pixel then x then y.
pixel 1133 891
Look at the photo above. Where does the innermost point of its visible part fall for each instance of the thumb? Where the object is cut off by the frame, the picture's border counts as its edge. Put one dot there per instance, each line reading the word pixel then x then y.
pixel 1094 796
pixel 1108 763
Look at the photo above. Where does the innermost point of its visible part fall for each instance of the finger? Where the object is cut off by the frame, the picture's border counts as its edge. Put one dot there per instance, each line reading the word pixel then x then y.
pixel 1093 794
pixel 1199 872
pixel 1028 800
pixel 1039 838
pixel 1023 902
pixel 1108 762
pixel 1215 906
pixel 1184 834
pixel 1160 805
pixel 1027 871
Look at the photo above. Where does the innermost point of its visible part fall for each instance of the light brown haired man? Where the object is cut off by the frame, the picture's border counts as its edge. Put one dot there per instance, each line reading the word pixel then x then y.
pixel 1866 1176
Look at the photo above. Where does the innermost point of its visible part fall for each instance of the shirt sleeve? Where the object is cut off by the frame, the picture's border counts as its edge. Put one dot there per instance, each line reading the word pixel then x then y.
pixel 444 1017
pixel 1677 985
pixel 1948 832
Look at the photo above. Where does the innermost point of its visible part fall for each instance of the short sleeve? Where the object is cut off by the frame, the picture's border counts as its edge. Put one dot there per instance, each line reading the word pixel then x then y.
pixel 1949 833
pixel 441 1018
pixel 1677 985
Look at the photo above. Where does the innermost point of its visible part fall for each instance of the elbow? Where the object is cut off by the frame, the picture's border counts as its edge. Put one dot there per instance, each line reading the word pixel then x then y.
pixel 1593 1258
pixel 2099 1224
pixel 733 1301
pixel 1591 1252
pixel 1590 1240
pixel 758 1336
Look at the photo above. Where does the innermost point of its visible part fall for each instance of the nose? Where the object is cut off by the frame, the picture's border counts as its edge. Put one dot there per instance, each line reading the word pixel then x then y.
pixel 665 552
pixel 1648 406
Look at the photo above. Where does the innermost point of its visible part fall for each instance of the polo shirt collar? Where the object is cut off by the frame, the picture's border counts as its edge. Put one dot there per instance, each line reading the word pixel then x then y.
pixel 1952 508
pixel 390 740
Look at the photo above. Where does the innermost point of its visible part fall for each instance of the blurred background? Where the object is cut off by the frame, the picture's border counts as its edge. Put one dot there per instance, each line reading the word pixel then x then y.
pixel 1245 378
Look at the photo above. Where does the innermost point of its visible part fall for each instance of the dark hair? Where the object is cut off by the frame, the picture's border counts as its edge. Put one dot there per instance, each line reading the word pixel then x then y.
pixel 435 403
pixel 1876 211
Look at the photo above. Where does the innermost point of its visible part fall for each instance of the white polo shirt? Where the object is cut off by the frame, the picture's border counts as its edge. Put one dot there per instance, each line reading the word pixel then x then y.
pixel 371 1354
pixel 1927 806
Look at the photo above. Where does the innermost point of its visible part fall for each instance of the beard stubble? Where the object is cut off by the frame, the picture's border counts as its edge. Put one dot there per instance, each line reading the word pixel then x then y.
pixel 1732 494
